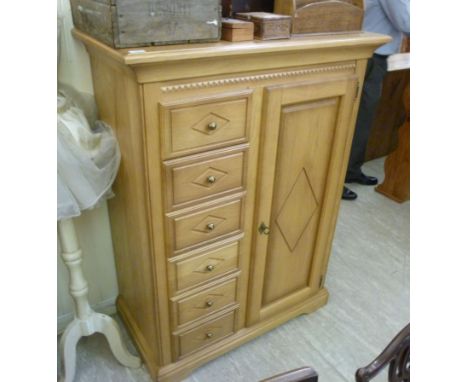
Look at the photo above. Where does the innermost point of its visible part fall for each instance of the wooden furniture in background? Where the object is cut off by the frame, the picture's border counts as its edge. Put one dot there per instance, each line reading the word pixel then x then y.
pixel 132 23
pixel 396 356
pixel 303 374
pixel 396 184
pixel 390 113
pixel 233 161
pixel 389 116
pixel 322 16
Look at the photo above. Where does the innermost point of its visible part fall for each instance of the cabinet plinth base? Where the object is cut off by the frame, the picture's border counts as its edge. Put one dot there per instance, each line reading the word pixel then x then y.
pixel 181 369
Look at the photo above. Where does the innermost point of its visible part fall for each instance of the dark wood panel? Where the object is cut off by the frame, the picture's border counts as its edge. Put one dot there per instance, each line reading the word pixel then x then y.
pixel 396 184
pixel 389 116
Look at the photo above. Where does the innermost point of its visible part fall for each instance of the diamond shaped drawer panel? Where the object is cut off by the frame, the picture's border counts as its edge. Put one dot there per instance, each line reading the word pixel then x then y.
pixel 204 266
pixel 196 178
pixel 202 124
pixel 205 226
pixel 205 335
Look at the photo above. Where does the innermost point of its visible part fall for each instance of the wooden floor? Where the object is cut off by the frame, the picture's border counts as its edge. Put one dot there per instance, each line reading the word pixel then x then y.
pixel 368 281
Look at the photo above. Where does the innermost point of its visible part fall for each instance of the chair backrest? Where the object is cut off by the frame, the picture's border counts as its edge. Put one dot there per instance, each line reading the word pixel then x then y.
pixel 303 374
pixel 396 355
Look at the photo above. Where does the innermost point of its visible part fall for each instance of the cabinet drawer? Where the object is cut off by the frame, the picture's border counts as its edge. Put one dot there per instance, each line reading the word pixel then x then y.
pixel 202 176
pixel 206 334
pixel 205 302
pixel 204 267
pixel 206 225
pixel 200 124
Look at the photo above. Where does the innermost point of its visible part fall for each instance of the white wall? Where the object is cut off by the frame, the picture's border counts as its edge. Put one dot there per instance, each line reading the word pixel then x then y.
pixel 74 68
pixel 92 227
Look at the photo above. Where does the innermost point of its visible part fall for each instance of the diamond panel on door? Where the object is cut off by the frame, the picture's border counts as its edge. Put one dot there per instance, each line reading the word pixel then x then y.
pixel 293 216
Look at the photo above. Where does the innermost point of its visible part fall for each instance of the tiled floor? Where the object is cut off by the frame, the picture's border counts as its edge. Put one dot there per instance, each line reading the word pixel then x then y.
pixel 368 281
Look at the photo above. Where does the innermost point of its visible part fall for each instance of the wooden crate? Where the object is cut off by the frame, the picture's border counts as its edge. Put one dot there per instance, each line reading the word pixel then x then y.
pixel 133 23
pixel 322 16
pixel 231 7
pixel 268 26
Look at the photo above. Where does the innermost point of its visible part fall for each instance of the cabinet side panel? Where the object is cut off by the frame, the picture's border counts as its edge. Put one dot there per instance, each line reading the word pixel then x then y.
pixel 118 99
pixel 360 72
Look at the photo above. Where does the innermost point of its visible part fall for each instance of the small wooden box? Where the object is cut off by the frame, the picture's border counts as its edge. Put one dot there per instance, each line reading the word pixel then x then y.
pixel 323 16
pixel 268 26
pixel 237 30
pixel 132 23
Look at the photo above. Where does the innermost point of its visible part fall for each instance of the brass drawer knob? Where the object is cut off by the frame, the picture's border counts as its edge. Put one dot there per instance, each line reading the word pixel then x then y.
pixel 210 267
pixel 264 229
pixel 211 179
pixel 209 303
pixel 212 126
pixel 209 335
pixel 210 227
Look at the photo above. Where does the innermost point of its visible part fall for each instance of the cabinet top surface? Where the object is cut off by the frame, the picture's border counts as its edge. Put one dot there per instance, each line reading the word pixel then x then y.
pixel 170 53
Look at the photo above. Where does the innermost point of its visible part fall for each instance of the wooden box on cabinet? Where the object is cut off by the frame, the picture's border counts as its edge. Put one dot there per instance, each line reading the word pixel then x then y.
pixel 268 26
pixel 322 16
pixel 228 192
pixel 132 23
pixel 237 30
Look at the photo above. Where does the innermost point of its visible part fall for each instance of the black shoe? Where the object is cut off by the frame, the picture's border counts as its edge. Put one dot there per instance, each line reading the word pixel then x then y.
pixel 363 179
pixel 348 194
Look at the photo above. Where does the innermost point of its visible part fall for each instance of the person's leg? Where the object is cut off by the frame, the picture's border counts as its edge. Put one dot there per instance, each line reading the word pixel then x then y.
pixel 371 93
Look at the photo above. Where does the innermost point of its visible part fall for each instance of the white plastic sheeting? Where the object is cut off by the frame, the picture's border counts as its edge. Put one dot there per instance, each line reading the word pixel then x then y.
pixel 87 160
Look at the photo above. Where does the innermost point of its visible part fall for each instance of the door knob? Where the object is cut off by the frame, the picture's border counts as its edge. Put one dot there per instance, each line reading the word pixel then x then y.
pixel 210 227
pixel 264 229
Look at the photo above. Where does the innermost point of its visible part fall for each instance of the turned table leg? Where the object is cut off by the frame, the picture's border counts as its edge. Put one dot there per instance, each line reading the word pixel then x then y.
pixel 86 321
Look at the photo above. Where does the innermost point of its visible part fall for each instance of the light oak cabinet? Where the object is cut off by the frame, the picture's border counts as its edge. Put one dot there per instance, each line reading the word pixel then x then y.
pixel 233 161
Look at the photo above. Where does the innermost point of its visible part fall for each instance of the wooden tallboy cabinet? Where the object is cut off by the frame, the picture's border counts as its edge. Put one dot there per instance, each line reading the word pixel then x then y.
pixel 233 161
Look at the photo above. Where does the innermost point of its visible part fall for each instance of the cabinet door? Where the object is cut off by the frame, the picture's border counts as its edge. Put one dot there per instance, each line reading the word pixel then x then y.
pixel 306 133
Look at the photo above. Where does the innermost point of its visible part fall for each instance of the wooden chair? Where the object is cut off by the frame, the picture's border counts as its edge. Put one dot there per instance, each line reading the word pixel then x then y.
pixel 303 374
pixel 396 355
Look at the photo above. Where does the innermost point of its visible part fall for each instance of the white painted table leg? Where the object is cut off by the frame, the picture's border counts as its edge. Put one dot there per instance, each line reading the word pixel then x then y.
pixel 87 321
pixel 107 326
pixel 68 342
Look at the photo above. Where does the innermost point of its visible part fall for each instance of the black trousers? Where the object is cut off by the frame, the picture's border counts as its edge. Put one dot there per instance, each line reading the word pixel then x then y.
pixel 371 93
